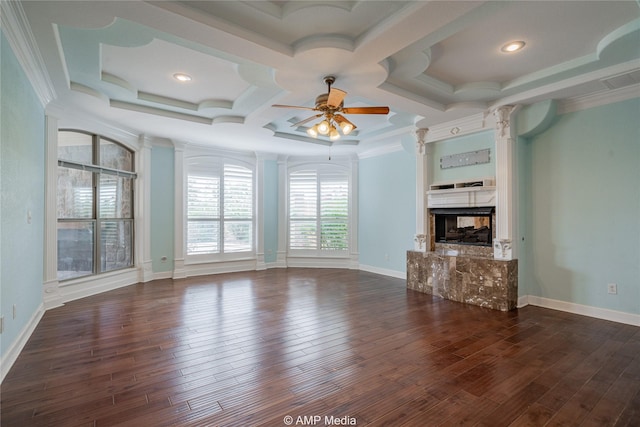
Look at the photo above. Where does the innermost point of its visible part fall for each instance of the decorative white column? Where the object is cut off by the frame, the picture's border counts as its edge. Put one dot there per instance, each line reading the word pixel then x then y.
pixel 422 239
pixel 504 245
pixel 179 271
pixel 354 252
pixel 143 210
pixel 283 196
pixel 51 295
pixel 259 189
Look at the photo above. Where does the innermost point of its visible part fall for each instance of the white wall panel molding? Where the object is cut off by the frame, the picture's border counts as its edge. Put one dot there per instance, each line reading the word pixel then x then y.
pixel 422 238
pixel 179 223
pixel 505 243
pixel 51 293
pixel 143 211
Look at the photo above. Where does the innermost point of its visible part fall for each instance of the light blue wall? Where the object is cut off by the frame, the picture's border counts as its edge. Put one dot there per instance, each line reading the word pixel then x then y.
pixel 270 206
pixel 22 163
pixel 162 208
pixel 524 212
pixel 582 184
pixel 463 144
pixel 387 210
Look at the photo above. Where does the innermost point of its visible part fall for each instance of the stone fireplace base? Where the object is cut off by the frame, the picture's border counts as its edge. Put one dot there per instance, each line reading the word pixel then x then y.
pixel 471 279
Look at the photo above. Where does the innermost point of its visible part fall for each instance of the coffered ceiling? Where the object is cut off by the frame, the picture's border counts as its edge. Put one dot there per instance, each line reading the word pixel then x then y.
pixel 429 61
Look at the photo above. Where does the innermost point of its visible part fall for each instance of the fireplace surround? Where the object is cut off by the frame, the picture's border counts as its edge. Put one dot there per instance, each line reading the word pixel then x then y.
pixel 458 260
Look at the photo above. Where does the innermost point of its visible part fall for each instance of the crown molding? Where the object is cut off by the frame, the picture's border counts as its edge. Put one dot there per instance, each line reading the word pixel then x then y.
pixel 597 99
pixel 464 126
pixel 381 151
pixel 16 28
pixel 547 91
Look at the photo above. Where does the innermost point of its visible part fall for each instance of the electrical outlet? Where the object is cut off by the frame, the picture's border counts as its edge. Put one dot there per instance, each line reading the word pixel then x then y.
pixel 15 310
pixel 612 289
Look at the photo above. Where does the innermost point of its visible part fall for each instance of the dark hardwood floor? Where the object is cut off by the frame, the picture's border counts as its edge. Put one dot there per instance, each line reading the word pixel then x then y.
pixel 253 348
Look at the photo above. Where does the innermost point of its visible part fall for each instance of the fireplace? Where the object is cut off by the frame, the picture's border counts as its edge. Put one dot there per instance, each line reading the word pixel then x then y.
pixel 464 226
pixel 458 262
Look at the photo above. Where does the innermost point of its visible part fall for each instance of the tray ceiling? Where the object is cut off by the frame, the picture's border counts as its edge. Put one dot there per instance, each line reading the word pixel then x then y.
pixel 430 62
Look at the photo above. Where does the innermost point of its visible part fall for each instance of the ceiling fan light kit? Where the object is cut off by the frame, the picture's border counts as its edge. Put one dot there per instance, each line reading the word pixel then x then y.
pixel 345 125
pixel 313 131
pixel 330 105
pixel 324 127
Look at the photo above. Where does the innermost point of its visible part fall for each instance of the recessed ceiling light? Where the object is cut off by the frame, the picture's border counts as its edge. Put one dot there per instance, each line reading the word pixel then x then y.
pixel 182 77
pixel 512 46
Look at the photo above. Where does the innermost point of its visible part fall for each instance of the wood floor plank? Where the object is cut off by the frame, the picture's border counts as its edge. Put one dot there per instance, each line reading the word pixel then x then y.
pixel 251 348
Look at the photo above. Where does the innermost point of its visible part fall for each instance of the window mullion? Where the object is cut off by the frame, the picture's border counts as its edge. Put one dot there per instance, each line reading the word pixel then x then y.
pixel 318 213
pixel 222 213
pixel 97 251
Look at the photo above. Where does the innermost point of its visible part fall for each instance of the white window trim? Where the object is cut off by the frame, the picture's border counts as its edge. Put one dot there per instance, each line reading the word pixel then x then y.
pixel 194 265
pixel 56 294
pixel 325 259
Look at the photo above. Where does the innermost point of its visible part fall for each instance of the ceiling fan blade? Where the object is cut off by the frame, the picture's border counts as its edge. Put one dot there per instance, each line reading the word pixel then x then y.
pixel 306 120
pixel 366 110
pixel 293 106
pixel 336 96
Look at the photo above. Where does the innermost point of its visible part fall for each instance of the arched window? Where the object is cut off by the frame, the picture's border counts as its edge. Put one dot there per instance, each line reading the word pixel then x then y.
pixel 319 210
pixel 95 205
pixel 219 208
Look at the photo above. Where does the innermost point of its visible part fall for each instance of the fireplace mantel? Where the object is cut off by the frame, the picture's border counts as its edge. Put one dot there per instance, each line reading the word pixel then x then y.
pixel 462 194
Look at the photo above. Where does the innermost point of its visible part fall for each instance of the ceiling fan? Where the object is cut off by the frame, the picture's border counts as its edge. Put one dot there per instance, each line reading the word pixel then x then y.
pixel 331 107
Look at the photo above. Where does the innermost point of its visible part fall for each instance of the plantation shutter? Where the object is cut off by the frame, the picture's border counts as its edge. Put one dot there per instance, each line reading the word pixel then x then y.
pixel 303 207
pixel 203 213
pixel 334 211
pixel 238 208
pixel 319 210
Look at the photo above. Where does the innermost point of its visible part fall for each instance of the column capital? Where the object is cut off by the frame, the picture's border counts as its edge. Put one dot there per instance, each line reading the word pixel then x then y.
pixel 145 141
pixel 178 145
pixel 503 115
pixel 421 135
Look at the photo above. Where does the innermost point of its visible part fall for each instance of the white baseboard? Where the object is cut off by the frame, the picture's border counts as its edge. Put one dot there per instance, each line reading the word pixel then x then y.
pixel 92 285
pixel 12 353
pixel 204 269
pixel 318 262
pixel 383 271
pixel 584 310
pixel 523 301
pixel 276 264
pixel 163 275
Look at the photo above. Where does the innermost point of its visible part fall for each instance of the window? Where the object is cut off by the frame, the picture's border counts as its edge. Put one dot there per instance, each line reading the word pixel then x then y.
pixel 219 208
pixel 319 210
pixel 95 205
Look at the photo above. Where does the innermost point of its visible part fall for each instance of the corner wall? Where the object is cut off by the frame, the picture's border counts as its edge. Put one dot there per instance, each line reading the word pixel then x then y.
pixel 581 180
pixel 387 212
pixel 161 217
